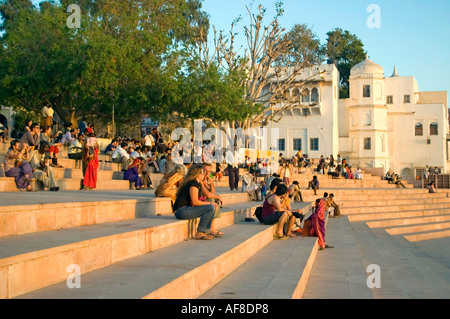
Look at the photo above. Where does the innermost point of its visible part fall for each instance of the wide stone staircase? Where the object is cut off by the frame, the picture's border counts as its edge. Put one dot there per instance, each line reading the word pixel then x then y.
pixel 116 242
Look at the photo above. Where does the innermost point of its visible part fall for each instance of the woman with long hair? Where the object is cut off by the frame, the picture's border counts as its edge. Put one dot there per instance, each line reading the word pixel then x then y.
pixel 189 206
pixel 170 182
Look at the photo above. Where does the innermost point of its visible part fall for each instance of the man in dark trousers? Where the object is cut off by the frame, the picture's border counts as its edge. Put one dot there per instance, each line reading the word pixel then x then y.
pixel 233 176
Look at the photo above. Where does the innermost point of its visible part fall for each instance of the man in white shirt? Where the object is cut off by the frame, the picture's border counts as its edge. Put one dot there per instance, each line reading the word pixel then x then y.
pixel 121 156
pixel 42 171
pixel 149 141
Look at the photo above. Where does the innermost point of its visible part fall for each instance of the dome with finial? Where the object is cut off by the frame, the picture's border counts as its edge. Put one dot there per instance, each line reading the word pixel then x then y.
pixel 367 67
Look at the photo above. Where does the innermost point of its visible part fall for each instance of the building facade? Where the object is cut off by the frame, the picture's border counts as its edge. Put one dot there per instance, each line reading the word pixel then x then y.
pixel 385 123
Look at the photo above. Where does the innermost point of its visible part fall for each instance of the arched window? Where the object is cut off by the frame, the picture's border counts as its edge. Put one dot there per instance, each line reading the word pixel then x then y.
pixel 314 95
pixel 434 129
pixel 305 96
pixel 419 129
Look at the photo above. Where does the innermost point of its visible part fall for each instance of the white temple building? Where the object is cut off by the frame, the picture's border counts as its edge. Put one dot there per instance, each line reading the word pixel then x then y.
pixel 386 123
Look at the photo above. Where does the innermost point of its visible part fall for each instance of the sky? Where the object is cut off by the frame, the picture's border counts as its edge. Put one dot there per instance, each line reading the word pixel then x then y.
pixel 412 34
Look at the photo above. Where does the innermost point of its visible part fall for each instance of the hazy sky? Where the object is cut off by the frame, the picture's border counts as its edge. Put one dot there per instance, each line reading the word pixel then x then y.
pixel 413 34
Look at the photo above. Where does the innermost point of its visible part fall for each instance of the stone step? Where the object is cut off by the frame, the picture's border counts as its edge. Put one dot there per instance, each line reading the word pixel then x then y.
pixel 181 271
pixel 7 184
pixel 405 271
pixel 360 198
pixel 45 212
pixel 393 208
pixel 345 204
pixel 339 273
pixel 33 261
pixel 431 211
pixel 418 228
pixel 410 221
pixel 280 270
pixel 424 236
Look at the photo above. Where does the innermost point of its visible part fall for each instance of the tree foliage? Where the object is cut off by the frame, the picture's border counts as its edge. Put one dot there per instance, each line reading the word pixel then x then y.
pixel 126 54
pixel 348 50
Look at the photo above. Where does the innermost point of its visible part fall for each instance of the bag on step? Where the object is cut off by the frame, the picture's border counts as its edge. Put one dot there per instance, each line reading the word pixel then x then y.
pixel 258 214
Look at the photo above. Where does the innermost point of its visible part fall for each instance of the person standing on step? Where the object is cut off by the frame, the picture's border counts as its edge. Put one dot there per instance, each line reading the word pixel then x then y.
pixel 318 224
pixel 188 204
pixel 90 162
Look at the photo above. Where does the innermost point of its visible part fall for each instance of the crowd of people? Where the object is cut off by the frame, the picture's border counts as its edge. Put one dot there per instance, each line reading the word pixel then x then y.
pixel 191 187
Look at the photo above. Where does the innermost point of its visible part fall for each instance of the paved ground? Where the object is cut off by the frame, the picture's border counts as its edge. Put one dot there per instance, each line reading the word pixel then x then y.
pixel 408 270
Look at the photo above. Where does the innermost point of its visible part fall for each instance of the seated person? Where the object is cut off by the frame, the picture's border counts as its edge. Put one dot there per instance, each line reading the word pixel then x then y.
pixel 397 180
pixel 389 177
pixel 294 192
pixel 54 147
pixel 358 174
pixel 32 138
pixel 76 148
pixel 331 203
pixel 273 186
pixel 274 213
pixel 189 206
pixel 111 147
pixel 4 132
pixel 69 137
pixel 16 166
pixel 314 184
pixel 208 189
pixel 431 188
pixel 133 173
pixel 121 156
pixel 170 182
pixel 332 171
pixel 42 171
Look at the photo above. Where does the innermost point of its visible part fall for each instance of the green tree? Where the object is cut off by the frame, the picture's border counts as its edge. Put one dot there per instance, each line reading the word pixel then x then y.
pixel 306 48
pixel 126 55
pixel 347 50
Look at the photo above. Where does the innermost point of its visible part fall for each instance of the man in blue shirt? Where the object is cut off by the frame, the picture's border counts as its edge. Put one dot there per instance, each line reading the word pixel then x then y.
pixel 111 147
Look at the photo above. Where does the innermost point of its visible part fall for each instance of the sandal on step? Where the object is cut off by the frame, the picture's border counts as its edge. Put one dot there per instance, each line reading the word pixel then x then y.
pixel 217 234
pixel 275 237
pixel 204 237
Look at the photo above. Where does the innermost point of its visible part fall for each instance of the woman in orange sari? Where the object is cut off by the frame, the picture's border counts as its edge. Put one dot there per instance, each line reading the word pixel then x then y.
pixel 90 162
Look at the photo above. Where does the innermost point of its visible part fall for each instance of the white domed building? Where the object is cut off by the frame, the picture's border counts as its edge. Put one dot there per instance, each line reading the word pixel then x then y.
pixel 388 123
pixel 385 124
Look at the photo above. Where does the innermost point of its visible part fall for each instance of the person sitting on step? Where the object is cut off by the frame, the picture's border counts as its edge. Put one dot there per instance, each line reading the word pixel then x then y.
pixel 314 184
pixel 273 212
pixel 16 165
pixel 188 204
pixel 294 192
pixel 42 171
pixel 336 207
